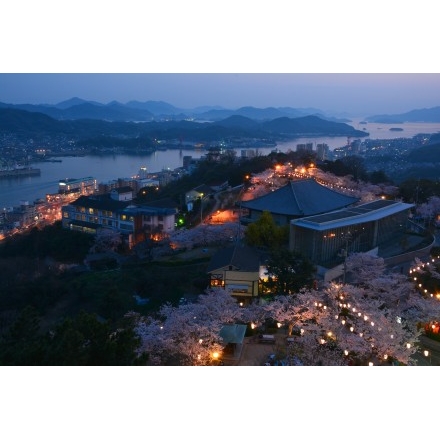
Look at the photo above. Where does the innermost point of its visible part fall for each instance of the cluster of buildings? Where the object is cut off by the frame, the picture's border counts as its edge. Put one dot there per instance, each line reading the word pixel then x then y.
pixel 119 212
pixel 322 150
pixel 324 226
pixel 114 196
pixel 114 206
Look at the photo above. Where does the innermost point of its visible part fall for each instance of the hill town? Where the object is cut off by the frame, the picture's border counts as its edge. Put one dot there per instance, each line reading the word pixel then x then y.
pixel 323 259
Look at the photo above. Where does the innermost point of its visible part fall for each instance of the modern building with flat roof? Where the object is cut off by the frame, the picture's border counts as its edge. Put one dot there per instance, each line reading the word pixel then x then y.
pixel 84 186
pixel 326 239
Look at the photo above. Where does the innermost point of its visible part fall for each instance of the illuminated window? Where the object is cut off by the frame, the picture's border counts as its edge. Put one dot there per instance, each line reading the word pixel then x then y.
pixel 217 283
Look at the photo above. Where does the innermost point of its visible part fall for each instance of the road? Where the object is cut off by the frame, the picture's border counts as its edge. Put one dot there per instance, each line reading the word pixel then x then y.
pixel 433 348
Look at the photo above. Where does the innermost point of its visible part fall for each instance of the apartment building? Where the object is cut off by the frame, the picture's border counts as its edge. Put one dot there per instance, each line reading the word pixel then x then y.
pixel 117 211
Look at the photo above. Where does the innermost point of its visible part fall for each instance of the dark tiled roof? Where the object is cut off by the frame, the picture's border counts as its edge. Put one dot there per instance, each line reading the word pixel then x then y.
pixel 105 202
pixel 205 189
pixel 240 256
pixel 100 202
pixel 301 198
pixel 161 203
pixel 123 189
pixel 149 210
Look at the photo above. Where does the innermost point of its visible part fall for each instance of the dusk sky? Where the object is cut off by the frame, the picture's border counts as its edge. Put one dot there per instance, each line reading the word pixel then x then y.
pixel 355 94
pixel 137 45
pixel 231 54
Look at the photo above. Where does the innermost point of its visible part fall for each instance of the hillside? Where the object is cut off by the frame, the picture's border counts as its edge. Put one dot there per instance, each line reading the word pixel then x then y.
pixel 77 108
pixel 428 153
pixel 420 115
pixel 310 125
pixel 33 123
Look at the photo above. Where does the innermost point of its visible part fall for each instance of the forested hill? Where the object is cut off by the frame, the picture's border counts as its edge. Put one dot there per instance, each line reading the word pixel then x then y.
pixel 31 123
pixel 427 153
pixel 419 115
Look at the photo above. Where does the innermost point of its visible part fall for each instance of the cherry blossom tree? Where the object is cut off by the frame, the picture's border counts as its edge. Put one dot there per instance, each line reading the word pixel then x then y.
pixel 352 324
pixel 190 333
pixel 378 319
pixel 106 240
pixel 429 210
pixel 362 267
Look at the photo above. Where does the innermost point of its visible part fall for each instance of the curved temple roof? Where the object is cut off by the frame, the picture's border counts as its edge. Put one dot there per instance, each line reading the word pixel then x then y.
pixel 301 198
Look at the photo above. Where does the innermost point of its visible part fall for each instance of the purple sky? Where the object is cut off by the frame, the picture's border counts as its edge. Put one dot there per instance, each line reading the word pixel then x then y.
pixel 354 94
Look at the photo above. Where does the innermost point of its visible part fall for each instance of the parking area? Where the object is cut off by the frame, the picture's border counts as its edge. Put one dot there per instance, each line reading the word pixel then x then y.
pixel 255 353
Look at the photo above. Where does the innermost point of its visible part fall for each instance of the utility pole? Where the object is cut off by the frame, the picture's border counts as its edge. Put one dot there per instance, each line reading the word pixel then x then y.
pixel 201 207
pixel 347 238
pixel 345 261
pixel 240 197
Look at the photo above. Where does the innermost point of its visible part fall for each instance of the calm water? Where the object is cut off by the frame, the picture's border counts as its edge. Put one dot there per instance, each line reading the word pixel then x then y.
pixel 105 168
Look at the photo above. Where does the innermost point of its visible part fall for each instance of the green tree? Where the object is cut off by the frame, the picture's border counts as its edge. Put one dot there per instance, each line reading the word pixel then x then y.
pixel 22 344
pixel 419 190
pixel 378 176
pixel 265 233
pixel 85 340
pixel 356 167
pixel 288 272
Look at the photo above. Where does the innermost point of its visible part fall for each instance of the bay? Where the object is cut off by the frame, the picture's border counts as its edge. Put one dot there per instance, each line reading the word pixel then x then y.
pixel 109 167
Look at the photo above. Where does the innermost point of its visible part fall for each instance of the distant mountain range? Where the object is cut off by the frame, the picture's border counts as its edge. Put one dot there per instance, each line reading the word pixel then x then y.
pixel 31 123
pixel 137 111
pixel 76 108
pixel 420 115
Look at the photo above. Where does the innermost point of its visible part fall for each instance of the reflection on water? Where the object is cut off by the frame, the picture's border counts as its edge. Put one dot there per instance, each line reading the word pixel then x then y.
pixel 109 167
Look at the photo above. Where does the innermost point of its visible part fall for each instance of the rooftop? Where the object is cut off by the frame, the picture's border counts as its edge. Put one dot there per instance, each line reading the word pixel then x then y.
pixel 299 198
pixel 354 215
pixel 240 256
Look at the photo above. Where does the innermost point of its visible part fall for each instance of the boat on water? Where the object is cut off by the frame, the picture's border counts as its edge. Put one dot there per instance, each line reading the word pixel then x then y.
pixel 19 172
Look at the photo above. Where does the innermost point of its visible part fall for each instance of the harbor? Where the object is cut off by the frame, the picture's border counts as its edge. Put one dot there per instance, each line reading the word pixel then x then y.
pixel 7 173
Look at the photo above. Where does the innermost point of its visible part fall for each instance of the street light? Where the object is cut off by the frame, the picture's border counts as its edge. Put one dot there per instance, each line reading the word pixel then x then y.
pixel 427 354
pixel 216 358
pixel 201 206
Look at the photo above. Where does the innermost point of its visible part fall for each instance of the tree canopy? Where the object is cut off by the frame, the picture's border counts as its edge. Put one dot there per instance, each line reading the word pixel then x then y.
pixel 287 272
pixel 264 232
